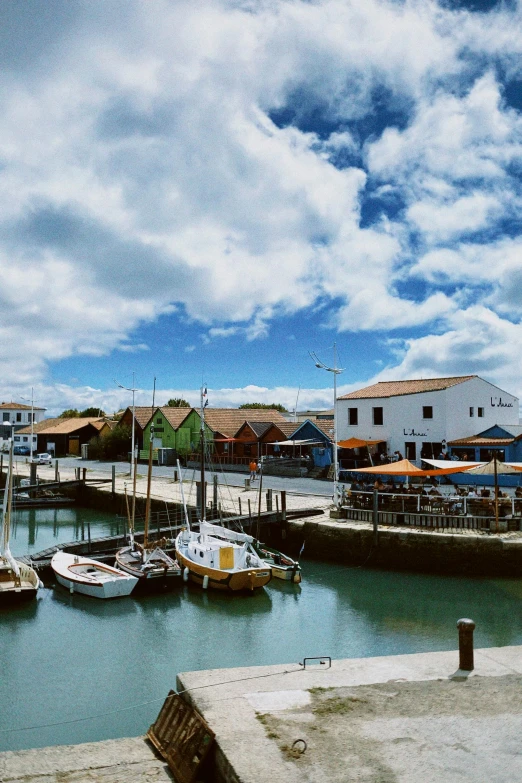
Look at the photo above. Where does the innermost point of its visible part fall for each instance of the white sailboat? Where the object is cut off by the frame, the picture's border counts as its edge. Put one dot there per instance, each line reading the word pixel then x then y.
pixel 90 577
pixel 18 581
pixel 215 556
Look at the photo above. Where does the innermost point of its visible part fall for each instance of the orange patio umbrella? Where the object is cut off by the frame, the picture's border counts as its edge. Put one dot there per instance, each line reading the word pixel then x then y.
pixel 406 468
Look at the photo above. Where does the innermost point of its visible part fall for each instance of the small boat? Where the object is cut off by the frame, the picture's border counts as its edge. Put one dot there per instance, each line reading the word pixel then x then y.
pixel 283 567
pixel 214 556
pixel 90 577
pixel 18 581
pixel 220 558
pixel 154 569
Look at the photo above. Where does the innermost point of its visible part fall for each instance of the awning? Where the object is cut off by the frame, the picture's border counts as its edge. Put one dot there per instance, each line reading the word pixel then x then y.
pixel 357 443
pixel 444 463
pixel 309 442
pixel 406 468
pixel 227 440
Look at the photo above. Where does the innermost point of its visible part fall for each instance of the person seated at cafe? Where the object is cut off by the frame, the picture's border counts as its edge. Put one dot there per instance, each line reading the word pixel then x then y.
pixel 473 493
pixel 378 485
pixel 485 493
pixel 518 492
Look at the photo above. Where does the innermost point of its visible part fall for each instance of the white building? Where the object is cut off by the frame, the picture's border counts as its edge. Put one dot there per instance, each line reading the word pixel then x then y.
pixel 14 416
pixel 418 417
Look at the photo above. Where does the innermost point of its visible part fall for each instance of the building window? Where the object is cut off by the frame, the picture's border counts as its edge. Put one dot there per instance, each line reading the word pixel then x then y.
pixel 18 417
pixel 159 420
pixel 427 412
pixel 378 417
pixel 480 412
pixel 6 417
pixel 25 439
pixel 17 438
pixel 471 412
pixel 353 416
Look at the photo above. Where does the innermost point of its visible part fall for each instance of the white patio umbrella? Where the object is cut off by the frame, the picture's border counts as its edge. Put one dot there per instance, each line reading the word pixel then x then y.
pixel 493 468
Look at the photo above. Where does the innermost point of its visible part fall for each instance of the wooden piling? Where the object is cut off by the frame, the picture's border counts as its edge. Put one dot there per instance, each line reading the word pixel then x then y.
pixel 113 484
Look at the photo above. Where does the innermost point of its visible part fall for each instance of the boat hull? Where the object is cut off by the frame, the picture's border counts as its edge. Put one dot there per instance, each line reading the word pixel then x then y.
pixel 155 580
pixel 286 573
pixel 100 581
pixel 13 591
pixel 245 580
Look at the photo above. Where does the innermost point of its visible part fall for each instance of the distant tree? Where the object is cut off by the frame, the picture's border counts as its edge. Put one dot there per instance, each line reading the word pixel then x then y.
pixel 116 444
pixel 264 406
pixel 70 413
pixel 91 412
pixel 178 402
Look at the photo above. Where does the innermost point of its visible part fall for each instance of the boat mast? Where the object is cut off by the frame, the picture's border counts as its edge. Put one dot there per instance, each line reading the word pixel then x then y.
pixel 8 502
pixel 149 474
pixel 202 493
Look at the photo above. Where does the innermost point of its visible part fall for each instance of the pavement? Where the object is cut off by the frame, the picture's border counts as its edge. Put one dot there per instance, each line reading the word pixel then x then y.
pixel 395 719
pixel 301 492
pixel 113 761
pixel 401 719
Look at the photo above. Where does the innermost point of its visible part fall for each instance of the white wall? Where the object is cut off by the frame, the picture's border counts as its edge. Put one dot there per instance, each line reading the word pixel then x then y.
pixel 403 415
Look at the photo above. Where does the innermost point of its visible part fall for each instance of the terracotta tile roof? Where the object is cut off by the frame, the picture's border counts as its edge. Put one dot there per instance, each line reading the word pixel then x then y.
pixel 18 406
pixel 227 421
pixel 398 388
pixel 325 426
pixel 142 414
pixel 61 426
pixel 288 427
pixel 175 416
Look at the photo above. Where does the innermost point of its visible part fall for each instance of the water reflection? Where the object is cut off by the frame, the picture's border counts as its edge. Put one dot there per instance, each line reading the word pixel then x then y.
pixel 61 650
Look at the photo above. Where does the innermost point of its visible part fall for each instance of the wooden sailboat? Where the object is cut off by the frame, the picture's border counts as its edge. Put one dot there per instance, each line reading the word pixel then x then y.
pixel 154 569
pixel 215 556
pixel 18 581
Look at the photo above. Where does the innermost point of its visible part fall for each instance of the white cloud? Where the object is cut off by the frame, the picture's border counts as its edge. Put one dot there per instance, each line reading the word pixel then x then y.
pixel 156 179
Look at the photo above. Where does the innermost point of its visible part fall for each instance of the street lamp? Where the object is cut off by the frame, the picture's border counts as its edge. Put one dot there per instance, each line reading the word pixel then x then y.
pixel 133 390
pixel 335 370
pixel 25 399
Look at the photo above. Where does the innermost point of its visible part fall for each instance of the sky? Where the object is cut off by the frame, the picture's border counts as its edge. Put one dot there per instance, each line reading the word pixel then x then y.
pixel 208 192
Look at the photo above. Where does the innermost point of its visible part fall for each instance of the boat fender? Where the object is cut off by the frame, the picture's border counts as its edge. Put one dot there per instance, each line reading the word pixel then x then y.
pixel 71 589
pixel 205 582
pixel 185 574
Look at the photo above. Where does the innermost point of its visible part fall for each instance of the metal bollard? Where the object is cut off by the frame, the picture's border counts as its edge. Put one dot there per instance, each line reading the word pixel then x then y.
pixel 466 628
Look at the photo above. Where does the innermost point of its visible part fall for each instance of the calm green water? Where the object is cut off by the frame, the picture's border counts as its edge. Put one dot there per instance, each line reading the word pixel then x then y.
pixel 69 658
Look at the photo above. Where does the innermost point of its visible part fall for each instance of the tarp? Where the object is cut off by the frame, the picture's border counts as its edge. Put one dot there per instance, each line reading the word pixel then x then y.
pixel 444 463
pixel 406 468
pixel 357 443
pixel 309 442
pixel 489 469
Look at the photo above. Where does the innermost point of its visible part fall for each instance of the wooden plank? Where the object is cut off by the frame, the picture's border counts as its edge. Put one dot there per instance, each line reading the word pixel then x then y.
pixel 182 737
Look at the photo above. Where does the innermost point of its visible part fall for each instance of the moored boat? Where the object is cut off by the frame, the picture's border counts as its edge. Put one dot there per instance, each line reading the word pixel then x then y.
pixel 90 577
pixel 154 569
pixel 219 558
pixel 18 581
pixel 282 566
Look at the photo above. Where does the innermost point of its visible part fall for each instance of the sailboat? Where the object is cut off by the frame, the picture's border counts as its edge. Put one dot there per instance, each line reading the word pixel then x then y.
pixel 154 568
pixel 214 556
pixel 18 581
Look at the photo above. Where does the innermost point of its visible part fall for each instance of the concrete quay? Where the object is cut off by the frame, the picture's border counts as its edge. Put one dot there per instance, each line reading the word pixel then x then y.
pixel 395 719
pixel 401 719
pixel 113 761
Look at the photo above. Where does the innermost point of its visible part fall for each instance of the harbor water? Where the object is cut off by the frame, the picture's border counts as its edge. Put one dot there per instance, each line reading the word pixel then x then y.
pixel 75 669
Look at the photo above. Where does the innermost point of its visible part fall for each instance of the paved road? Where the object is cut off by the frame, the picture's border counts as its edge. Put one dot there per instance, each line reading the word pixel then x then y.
pixel 303 486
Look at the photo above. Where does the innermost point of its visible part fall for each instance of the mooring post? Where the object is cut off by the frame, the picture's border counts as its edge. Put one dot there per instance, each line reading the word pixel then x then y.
pixel 466 628
pixel 32 474
pixel 283 505
pixel 376 517
pixel 239 502
pixel 84 475
pixel 277 508
pixel 215 493
pixel 158 523
pixel 113 482
pixel 56 470
pixel 269 506
pixel 1 463
pixel 175 479
pixel 89 535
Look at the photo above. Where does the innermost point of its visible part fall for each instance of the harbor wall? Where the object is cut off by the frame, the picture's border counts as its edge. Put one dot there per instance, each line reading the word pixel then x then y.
pixel 354 544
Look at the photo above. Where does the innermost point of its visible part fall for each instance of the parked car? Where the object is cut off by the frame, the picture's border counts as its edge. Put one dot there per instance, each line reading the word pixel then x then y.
pixel 42 459
pixel 22 450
